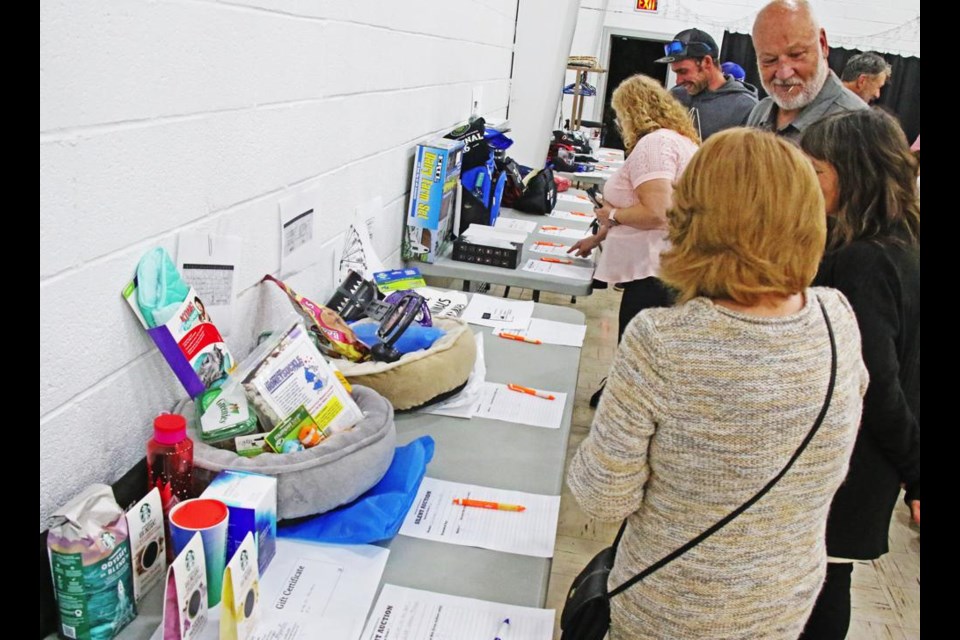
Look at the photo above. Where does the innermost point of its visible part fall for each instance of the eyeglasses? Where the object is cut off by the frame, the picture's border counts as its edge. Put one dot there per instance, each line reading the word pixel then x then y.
pixel 686 49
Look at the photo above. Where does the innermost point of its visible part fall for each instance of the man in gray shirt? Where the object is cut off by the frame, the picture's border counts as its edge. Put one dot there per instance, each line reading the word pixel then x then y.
pixel 792 54
pixel 716 101
pixel 865 75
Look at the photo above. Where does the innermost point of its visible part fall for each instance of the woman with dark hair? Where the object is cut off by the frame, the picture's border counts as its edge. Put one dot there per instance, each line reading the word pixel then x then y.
pixel 868 178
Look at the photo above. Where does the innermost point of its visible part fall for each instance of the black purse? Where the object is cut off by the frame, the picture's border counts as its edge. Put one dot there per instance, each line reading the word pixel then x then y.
pixel 586 612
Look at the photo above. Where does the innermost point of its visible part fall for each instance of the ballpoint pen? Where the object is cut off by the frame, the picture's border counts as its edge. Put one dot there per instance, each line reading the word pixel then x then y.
pixel 547 244
pixel 486 504
pixel 504 630
pixel 581 214
pixel 531 392
pixel 548 227
pixel 513 336
pixel 557 260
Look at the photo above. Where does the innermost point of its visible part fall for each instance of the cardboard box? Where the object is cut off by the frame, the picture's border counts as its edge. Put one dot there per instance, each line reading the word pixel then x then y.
pixel 464 251
pixel 252 499
pixel 434 200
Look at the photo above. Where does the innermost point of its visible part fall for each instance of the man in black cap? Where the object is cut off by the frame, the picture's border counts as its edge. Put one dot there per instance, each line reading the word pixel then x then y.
pixel 716 101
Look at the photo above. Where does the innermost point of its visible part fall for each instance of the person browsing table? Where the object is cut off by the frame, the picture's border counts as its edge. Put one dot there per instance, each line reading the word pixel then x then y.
pixel 660 140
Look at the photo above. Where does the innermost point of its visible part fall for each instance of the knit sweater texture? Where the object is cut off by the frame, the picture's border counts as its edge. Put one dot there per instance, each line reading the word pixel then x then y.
pixel 703 406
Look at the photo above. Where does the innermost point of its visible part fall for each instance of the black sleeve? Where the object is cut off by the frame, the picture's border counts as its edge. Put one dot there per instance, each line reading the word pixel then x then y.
pixel 872 284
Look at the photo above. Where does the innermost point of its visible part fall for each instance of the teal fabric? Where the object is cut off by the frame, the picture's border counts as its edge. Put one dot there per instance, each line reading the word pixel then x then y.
pixel 160 289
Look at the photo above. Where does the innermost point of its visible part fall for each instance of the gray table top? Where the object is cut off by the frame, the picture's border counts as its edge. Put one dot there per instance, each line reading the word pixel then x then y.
pixel 498 454
pixel 447 267
pixel 480 451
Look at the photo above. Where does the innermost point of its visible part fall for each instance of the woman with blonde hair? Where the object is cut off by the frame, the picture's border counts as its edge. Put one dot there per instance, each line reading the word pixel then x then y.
pixel 746 393
pixel 660 140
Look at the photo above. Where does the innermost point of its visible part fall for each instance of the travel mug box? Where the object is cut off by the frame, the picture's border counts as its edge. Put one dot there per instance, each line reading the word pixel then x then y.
pixel 252 500
pixel 464 251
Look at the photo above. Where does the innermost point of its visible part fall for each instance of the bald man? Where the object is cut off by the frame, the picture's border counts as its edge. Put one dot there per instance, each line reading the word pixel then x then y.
pixel 791 49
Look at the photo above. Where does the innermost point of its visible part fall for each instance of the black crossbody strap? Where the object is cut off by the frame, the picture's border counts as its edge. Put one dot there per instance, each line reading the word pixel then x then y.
pixel 749 503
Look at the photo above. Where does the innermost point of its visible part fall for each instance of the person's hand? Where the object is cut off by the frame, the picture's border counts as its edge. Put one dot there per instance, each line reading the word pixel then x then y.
pixel 915 511
pixel 603 214
pixel 585 247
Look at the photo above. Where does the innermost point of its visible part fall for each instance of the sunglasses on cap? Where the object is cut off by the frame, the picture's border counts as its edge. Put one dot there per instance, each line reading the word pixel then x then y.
pixel 688 49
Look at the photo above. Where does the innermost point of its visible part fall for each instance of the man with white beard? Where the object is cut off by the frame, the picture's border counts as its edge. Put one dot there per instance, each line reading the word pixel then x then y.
pixel 792 54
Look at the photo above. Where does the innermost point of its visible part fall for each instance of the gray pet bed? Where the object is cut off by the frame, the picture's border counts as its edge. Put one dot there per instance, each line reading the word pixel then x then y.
pixel 318 479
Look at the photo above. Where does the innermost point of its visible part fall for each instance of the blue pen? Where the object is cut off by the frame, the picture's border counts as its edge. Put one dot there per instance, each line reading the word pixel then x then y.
pixel 504 630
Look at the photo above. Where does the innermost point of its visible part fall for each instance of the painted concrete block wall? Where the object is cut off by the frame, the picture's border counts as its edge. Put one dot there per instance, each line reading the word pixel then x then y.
pixel 164 116
pixel 883 25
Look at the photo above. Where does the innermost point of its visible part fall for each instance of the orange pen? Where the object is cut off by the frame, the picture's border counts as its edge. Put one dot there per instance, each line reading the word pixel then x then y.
pixel 513 336
pixel 557 260
pixel 547 244
pixel 548 227
pixel 531 392
pixel 484 504
pixel 581 214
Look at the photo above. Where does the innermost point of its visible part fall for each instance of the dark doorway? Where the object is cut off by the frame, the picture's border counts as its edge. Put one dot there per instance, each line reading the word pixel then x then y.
pixel 628 56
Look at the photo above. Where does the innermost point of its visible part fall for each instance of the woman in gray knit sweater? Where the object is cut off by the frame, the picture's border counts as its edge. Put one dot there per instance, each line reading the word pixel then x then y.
pixel 707 401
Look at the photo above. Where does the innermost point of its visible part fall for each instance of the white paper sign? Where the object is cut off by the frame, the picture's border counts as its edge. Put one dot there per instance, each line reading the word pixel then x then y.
pixel 298 231
pixel 209 264
pixel 530 532
pixel 411 614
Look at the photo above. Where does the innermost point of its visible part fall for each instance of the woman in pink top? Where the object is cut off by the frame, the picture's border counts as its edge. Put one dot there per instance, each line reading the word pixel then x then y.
pixel 660 140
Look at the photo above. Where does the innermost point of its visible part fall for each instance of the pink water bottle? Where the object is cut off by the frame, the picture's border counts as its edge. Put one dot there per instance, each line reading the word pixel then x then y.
pixel 170 463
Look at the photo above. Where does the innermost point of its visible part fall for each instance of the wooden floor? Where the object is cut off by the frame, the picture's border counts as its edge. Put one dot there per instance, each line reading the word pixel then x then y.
pixel 886 592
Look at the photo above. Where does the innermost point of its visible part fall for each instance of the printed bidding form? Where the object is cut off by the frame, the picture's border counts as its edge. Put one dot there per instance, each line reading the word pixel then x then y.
pixel 412 614
pixel 530 532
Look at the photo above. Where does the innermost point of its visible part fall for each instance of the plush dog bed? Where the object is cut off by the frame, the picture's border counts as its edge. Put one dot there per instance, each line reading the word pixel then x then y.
pixel 422 377
pixel 315 480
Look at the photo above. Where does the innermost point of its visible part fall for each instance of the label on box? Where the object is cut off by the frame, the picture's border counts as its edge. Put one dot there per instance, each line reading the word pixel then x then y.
pixel 240 611
pixel 185 598
pixel 298 431
pixel 399 280
pixel 145 524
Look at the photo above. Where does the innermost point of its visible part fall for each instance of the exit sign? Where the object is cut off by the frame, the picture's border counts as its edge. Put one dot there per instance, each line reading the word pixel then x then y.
pixel 647 5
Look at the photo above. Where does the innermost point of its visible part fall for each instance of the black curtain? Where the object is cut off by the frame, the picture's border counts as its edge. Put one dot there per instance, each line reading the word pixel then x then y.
pixel 900 96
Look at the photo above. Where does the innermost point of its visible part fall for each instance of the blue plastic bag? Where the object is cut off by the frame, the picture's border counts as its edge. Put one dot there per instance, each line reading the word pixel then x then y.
pixel 377 514
pixel 415 338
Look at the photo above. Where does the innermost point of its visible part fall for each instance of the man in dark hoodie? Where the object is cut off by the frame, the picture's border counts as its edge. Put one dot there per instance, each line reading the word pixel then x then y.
pixel 716 101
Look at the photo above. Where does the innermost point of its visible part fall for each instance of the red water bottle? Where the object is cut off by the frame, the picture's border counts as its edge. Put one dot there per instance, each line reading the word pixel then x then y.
pixel 170 464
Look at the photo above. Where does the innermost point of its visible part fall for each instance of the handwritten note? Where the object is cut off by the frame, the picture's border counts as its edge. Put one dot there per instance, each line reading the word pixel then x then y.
pixel 531 532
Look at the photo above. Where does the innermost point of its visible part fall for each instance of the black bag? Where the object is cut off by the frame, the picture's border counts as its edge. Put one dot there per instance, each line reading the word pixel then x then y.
pixel 586 612
pixel 539 194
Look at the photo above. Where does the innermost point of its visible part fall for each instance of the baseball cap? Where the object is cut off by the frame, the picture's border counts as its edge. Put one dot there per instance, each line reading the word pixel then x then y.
pixel 691 43
pixel 733 70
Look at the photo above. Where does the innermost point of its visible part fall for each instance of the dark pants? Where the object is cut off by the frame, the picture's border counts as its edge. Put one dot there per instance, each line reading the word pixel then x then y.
pixel 831 613
pixel 639 295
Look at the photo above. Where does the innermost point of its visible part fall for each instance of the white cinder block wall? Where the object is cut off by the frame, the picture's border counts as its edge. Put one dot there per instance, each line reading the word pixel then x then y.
pixel 889 26
pixel 160 116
